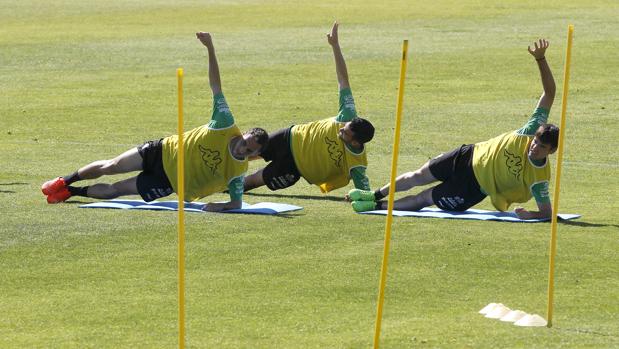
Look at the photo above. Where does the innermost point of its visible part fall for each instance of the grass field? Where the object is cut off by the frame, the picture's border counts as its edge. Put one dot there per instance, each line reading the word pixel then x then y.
pixel 82 80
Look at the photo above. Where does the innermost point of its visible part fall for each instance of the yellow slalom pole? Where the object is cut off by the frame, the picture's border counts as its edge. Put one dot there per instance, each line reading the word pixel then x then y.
pixel 394 166
pixel 555 202
pixel 181 215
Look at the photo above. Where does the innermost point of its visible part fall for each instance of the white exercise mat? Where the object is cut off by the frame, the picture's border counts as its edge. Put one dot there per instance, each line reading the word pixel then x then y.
pixel 469 214
pixel 259 208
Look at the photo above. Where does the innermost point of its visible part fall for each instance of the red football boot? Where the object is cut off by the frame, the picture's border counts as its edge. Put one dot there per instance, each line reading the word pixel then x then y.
pixel 59 196
pixel 52 186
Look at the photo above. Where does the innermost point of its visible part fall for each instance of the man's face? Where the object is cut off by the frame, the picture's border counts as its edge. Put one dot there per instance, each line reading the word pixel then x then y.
pixel 247 146
pixel 347 136
pixel 539 150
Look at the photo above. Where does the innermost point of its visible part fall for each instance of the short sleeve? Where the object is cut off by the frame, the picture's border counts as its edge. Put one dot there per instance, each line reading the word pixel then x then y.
pixel 359 178
pixel 347 106
pixel 539 117
pixel 235 188
pixel 540 192
pixel 222 117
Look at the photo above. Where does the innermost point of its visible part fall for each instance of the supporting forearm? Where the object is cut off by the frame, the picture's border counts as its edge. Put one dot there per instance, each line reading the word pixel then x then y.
pixel 526 214
pixel 222 206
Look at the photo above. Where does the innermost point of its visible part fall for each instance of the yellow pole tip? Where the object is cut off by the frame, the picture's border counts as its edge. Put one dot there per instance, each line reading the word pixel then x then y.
pixel 179 71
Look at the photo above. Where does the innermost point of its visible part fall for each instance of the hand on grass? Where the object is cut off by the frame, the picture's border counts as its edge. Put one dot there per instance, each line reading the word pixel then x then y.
pixel 539 49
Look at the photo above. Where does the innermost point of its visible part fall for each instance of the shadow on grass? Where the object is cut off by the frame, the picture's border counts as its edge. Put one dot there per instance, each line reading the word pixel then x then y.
pixel 587 225
pixel 11 191
pixel 279 215
pixel 578 330
pixel 304 197
pixel 78 202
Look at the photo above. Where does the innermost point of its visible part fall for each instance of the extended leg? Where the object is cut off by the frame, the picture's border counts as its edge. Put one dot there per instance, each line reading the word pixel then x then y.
pixel 126 162
pixel 254 180
pixel 111 191
pixel 58 189
pixel 410 203
pixel 409 180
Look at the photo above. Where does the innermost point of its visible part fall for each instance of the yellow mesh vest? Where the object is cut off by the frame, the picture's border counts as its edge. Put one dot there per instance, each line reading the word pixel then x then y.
pixel 504 170
pixel 209 166
pixel 321 156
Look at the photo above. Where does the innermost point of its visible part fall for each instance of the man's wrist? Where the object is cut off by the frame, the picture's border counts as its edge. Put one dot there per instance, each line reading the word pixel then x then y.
pixel 540 59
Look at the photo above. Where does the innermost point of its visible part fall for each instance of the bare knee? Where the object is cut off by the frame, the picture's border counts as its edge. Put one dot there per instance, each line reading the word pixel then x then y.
pixel 109 167
pixel 405 181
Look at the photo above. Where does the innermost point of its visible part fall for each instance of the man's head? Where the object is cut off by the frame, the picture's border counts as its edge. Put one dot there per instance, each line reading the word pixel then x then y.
pixel 252 143
pixel 545 142
pixel 357 132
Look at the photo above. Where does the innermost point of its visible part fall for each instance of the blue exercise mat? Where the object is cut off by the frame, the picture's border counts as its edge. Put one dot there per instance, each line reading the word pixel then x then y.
pixel 259 208
pixel 469 214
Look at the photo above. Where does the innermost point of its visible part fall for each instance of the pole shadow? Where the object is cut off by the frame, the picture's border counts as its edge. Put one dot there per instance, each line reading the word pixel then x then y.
pixel 587 225
pixel 11 184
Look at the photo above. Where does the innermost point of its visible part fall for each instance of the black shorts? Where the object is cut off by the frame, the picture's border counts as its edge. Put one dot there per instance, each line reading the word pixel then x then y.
pixel 459 190
pixel 152 182
pixel 281 172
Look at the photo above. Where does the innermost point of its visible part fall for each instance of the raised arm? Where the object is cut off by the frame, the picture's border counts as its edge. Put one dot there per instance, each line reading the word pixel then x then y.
pixel 548 82
pixel 340 64
pixel 213 71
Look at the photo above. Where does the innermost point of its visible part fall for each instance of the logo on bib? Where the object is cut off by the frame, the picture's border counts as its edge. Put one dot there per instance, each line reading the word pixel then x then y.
pixel 211 158
pixel 514 163
pixel 334 151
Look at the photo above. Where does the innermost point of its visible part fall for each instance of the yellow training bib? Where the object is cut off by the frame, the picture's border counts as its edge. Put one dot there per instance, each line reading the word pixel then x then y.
pixel 209 165
pixel 504 171
pixel 321 156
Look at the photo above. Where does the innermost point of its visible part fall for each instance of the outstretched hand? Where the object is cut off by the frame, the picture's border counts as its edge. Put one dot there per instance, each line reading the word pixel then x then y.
pixel 332 37
pixel 539 49
pixel 205 38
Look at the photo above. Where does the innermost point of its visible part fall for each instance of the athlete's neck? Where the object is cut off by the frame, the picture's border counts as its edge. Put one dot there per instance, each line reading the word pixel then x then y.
pixel 233 146
pixel 537 162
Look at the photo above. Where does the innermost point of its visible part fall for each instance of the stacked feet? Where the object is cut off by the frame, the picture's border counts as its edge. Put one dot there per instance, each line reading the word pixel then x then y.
pixel 56 190
pixel 362 200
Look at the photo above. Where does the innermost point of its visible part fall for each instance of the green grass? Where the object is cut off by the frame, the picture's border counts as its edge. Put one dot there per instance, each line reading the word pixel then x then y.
pixel 81 81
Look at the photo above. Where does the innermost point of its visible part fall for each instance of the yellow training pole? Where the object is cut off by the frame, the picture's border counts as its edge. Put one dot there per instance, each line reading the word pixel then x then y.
pixel 394 166
pixel 181 215
pixel 555 200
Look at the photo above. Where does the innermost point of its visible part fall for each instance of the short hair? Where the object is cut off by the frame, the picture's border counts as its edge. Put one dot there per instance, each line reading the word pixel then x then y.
pixel 261 136
pixel 362 130
pixel 548 134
